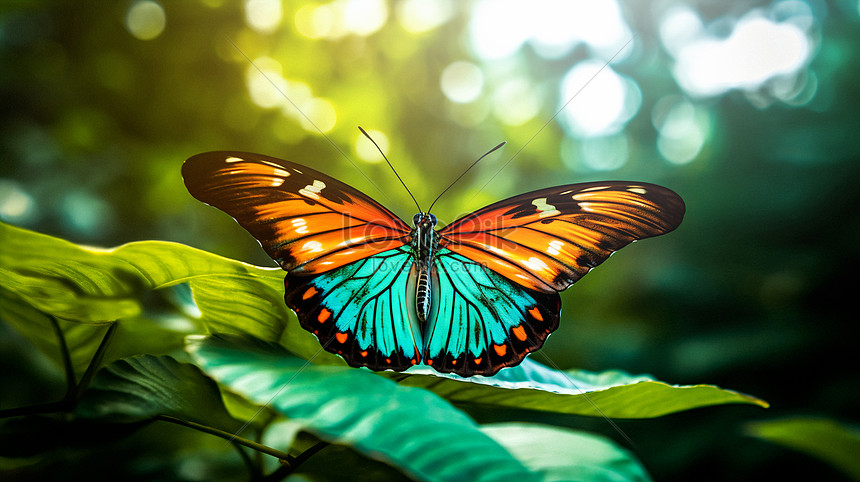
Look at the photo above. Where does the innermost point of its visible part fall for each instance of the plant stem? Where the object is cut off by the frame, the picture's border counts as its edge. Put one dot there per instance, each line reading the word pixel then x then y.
pixel 286 470
pixel 229 437
pixel 308 453
pixel 71 383
pixel 97 358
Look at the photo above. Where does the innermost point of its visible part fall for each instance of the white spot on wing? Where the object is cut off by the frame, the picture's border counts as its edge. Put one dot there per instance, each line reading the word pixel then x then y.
pixel 637 190
pixel 554 247
pixel 301 225
pixel 544 209
pixel 234 159
pixel 312 247
pixel 535 264
pixel 271 164
pixel 587 207
pixel 312 190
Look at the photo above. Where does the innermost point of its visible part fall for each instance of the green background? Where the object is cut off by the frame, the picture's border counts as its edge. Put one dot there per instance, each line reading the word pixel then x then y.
pixel 753 292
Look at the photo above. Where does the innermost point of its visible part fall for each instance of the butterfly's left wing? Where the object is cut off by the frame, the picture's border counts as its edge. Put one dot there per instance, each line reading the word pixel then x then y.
pixel 506 263
pixel 305 220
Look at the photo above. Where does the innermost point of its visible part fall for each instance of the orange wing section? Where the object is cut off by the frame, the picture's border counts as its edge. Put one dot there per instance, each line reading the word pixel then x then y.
pixel 548 239
pixel 305 220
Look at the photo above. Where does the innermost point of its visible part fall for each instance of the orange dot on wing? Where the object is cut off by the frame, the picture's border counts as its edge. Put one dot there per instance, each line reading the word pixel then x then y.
pixel 341 337
pixel 520 332
pixel 536 314
pixel 364 353
pixel 478 361
pixel 430 361
pixel 324 315
pixel 500 349
pixel 309 293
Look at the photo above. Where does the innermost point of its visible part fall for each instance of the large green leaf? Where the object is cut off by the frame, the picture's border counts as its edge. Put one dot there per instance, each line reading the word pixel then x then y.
pixel 835 443
pixel 410 428
pixel 561 454
pixel 613 393
pixel 144 387
pixel 90 285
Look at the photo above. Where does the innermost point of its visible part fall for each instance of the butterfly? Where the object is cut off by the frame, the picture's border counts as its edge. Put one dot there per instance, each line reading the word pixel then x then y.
pixel 470 298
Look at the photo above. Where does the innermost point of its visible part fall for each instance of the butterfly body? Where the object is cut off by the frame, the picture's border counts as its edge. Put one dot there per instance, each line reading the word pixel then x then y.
pixel 424 243
pixel 470 298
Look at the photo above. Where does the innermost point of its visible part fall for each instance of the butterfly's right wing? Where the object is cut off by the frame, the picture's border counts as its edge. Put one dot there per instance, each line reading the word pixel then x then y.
pixel 305 220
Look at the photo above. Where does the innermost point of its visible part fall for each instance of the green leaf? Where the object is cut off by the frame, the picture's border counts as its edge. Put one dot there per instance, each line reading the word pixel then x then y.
pixel 834 443
pixel 533 386
pixel 81 340
pixel 90 285
pixel 561 454
pixel 144 387
pixel 408 427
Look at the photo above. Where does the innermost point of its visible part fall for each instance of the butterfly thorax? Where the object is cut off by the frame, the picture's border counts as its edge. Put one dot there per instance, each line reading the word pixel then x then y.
pixel 424 243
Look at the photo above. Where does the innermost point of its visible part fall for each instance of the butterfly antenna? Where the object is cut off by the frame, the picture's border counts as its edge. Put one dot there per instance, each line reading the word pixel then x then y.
pixel 464 173
pixel 392 168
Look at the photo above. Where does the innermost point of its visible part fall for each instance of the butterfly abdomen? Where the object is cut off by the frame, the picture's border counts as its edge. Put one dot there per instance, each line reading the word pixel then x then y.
pixel 422 294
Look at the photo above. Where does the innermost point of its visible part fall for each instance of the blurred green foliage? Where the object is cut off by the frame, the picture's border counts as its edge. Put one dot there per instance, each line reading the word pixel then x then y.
pixel 101 107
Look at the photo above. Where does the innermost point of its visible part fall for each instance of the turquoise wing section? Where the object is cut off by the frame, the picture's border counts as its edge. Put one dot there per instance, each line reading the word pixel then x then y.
pixel 363 311
pixel 480 321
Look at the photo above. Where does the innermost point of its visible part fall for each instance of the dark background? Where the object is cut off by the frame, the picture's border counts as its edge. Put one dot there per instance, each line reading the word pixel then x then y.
pixel 101 104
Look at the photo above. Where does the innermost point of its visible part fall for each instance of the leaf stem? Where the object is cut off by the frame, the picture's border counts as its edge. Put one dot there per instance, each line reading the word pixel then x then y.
pixel 286 470
pixel 97 358
pixel 308 453
pixel 71 383
pixel 229 437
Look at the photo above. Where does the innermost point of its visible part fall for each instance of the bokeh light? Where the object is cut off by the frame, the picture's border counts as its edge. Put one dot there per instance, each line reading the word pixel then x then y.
pixel 462 81
pixel 553 27
pixel 758 49
pixel 16 205
pixel 418 16
pixel 264 16
pixel 515 102
pixel 86 215
pixel 596 154
pixel 609 102
pixel 320 115
pixel 683 128
pixel 145 19
pixel 340 18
